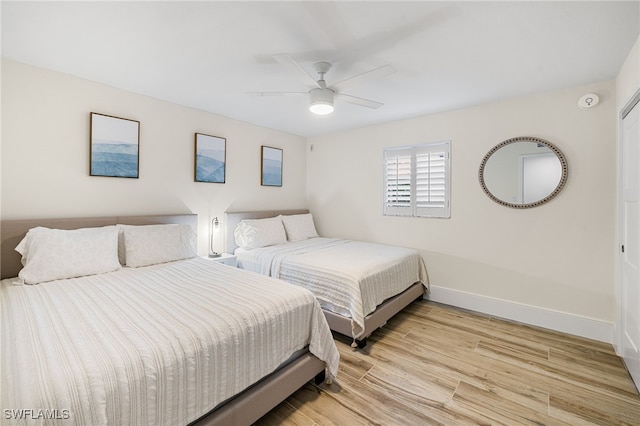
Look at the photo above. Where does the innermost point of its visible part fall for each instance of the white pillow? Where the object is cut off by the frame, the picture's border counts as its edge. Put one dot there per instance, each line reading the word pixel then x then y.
pixel 254 233
pixel 299 227
pixel 54 254
pixel 151 244
pixel 23 246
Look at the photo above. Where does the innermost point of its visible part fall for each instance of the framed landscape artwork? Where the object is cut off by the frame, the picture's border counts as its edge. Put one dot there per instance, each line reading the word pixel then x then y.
pixel 210 162
pixel 271 169
pixel 114 146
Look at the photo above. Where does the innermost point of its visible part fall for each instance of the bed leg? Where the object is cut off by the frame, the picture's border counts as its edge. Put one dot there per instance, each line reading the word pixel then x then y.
pixel 359 343
pixel 320 377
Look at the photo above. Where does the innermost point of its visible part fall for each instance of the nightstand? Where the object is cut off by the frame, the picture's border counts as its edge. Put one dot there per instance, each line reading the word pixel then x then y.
pixel 224 258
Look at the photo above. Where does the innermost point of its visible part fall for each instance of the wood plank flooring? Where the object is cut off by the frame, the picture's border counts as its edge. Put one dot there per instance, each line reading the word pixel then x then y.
pixel 435 364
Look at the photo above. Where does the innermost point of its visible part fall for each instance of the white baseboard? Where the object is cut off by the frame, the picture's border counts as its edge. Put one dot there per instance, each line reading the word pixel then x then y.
pixel 559 321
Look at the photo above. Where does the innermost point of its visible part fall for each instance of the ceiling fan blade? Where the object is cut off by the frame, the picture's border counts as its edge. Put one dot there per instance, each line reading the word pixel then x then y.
pixel 277 93
pixel 359 101
pixel 379 72
pixel 286 60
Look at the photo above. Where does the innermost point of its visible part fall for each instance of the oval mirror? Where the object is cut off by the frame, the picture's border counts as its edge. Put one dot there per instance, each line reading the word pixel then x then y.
pixel 523 172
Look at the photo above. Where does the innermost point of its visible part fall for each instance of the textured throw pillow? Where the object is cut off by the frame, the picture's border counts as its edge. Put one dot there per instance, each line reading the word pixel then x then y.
pixel 151 244
pixel 54 254
pixel 299 227
pixel 254 233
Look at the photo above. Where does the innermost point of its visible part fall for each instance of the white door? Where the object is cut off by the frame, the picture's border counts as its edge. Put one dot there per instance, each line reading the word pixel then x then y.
pixel 629 303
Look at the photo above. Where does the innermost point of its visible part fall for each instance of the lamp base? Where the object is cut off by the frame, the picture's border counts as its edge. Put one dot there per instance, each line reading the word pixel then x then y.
pixel 214 254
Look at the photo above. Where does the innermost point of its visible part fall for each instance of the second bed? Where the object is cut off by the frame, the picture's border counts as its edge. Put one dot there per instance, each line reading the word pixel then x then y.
pixel 359 285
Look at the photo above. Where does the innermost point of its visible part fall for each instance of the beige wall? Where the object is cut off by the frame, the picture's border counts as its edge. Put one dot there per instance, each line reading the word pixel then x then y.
pixel 45 154
pixel 558 256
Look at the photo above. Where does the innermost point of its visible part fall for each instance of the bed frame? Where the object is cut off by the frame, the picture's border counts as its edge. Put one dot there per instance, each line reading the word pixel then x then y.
pixel 243 409
pixel 337 323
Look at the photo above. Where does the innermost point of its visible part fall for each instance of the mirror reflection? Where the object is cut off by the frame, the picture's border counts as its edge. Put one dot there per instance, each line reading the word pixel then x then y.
pixel 523 172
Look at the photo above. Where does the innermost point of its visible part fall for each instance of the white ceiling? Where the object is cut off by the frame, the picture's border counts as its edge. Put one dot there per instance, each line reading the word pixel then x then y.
pixel 208 55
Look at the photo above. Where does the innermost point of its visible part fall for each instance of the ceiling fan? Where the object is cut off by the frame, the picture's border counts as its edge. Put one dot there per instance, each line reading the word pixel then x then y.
pixel 321 96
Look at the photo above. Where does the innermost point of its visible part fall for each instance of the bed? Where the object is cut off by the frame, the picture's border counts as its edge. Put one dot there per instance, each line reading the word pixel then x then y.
pixel 359 285
pixel 186 341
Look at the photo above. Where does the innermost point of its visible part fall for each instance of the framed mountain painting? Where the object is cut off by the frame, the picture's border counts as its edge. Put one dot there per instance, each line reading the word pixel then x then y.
pixel 210 162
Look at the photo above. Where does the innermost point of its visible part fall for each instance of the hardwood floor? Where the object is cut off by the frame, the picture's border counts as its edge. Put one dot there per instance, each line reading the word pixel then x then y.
pixel 434 364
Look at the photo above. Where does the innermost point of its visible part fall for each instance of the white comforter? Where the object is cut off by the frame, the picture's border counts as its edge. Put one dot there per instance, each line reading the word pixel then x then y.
pixel 350 278
pixel 160 345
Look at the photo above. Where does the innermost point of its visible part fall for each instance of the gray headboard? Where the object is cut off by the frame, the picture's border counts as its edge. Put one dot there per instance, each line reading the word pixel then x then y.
pixel 12 232
pixel 232 219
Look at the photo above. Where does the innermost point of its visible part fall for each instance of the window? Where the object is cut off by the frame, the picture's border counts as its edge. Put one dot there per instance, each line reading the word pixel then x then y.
pixel 417 180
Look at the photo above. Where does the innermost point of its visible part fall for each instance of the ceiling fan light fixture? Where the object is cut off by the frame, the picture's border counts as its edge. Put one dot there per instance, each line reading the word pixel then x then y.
pixel 321 108
pixel 321 101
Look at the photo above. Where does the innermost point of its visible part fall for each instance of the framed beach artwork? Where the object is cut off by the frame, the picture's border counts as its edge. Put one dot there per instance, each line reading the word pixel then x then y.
pixel 114 146
pixel 210 162
pixel 271 169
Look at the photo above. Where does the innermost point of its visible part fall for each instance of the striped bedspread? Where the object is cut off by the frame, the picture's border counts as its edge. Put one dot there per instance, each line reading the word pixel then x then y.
pixel 350 278
pixel 160 345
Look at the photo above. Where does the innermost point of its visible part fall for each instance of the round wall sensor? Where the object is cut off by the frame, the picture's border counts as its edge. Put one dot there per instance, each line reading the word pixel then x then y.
pixel 588 101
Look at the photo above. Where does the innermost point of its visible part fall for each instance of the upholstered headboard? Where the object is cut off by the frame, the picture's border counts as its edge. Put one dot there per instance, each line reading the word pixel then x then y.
pixel 12 232
pixel 232 219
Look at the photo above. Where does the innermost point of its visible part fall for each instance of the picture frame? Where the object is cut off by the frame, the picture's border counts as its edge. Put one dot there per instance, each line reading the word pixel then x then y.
pixel 271 166
pixel 114 146
pixel 210 158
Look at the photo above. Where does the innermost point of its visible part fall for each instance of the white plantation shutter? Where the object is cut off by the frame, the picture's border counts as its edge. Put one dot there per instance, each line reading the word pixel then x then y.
pixel 416 180
pixel 431 181
pixel 398 197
